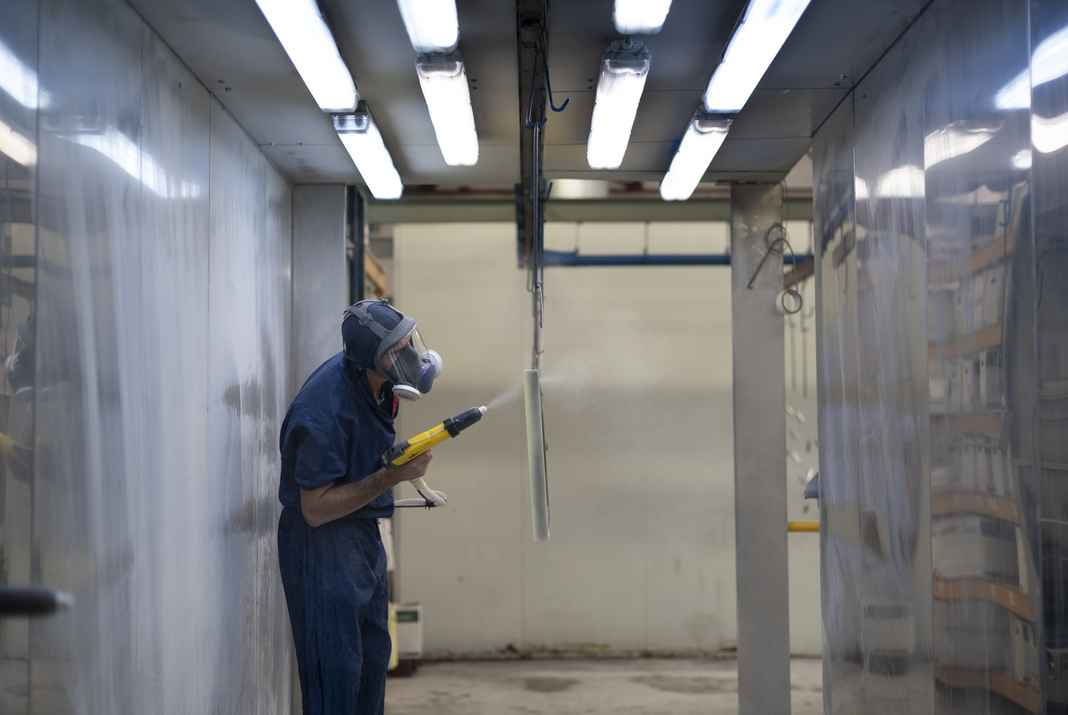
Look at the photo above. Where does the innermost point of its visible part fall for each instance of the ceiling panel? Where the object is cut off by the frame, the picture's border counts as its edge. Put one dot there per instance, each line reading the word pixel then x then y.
pixel 785 112
pixel 231 49
pixel 311 163
pixel 843 37
pixel 740 157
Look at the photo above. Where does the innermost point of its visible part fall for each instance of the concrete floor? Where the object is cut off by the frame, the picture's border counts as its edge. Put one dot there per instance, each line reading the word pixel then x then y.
pixel 665 686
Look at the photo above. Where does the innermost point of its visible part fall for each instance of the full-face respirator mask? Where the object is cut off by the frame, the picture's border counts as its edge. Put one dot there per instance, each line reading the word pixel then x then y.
pixel 400 356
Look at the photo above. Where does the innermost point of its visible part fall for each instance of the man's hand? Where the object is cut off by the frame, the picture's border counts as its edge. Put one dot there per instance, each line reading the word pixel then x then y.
pixel 414 468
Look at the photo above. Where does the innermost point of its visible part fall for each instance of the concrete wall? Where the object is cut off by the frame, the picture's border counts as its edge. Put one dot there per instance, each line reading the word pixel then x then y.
pixel 636 377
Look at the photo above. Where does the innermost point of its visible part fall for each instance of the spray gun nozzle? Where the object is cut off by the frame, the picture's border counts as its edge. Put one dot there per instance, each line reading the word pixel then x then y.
pixel 464 420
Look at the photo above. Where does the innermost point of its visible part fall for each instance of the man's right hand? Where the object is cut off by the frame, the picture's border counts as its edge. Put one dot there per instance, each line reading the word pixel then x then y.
pixel 332 501
pixel 413 469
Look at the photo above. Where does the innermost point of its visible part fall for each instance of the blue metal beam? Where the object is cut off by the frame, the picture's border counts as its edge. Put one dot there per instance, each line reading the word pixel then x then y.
pixel 574 258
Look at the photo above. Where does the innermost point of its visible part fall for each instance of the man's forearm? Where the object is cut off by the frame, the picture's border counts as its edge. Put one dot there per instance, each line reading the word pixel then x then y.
pixel 333 501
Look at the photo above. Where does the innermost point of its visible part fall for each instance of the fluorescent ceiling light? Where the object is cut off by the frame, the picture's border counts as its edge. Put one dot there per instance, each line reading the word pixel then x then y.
pixel 19 81
pixel 432 24
pixel 1016 94
pixel 300 28
pixel 1021 160
pixel 17 147
pixel 444 84
pixel 640 17
pixel 956 139
pixel 624 68
pixel 1049 62
pixel 1050 59
pixel 764 29
pixel 903 182
pixel 699 145
pixel 580 189
pixel 860 190
pixel 982 196
pixel 364 143
pixel 1049 134
pixel 127 155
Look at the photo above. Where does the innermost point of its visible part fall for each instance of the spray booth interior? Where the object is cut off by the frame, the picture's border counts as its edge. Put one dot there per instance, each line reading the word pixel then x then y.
pixel 851 320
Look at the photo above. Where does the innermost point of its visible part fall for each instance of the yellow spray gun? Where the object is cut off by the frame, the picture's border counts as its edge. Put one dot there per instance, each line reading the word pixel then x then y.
pixel 408 450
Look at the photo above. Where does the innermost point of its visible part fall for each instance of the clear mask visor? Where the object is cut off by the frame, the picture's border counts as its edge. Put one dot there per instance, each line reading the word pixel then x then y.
pixel 409 362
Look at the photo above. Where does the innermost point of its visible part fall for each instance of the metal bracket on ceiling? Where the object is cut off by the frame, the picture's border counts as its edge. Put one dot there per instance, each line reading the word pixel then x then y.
pixel 531 28
pixel 532 20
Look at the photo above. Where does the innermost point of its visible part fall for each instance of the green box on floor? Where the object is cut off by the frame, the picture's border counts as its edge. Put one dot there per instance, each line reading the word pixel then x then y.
pixel 410 631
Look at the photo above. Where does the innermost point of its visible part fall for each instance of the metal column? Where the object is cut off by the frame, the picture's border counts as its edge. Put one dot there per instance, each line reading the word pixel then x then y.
pixel 355 238
pixel 319 276
pixel 759 464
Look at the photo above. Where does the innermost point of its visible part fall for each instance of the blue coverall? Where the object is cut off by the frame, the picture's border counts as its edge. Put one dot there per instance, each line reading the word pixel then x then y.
pixel 334 575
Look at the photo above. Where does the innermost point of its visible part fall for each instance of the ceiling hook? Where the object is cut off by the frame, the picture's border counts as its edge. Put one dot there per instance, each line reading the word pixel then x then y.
pixel 549 87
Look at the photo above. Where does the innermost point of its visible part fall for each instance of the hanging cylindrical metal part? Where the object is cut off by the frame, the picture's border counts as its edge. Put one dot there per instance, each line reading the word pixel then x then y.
pixel 539 489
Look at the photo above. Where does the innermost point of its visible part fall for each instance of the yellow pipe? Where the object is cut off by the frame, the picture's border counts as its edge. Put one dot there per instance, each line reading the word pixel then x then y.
pixel 802 526
pixel 13 449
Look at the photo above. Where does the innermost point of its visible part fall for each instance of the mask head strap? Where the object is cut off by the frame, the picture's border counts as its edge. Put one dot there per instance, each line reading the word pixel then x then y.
pixel 387 338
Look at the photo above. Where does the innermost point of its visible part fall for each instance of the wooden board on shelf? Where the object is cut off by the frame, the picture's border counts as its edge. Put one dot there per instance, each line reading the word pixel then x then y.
pixel 11 284
pixel 985 423
pixel 983 339
pixel 375 272
pixel 997 681
pixel 798 272
pixel 942 271
pixel 979 589
pixel 974 503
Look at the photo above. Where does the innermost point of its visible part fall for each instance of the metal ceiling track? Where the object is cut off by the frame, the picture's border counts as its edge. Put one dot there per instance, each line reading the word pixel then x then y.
pixel 532 22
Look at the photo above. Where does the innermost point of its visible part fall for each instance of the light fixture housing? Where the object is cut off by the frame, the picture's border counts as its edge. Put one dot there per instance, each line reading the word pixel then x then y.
pixel 699 145
pixel 624 69
pixel 432 24
pixel 444 84
pixel 300 28
pixel 640 17
pixel 364 143
pixel 756 42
